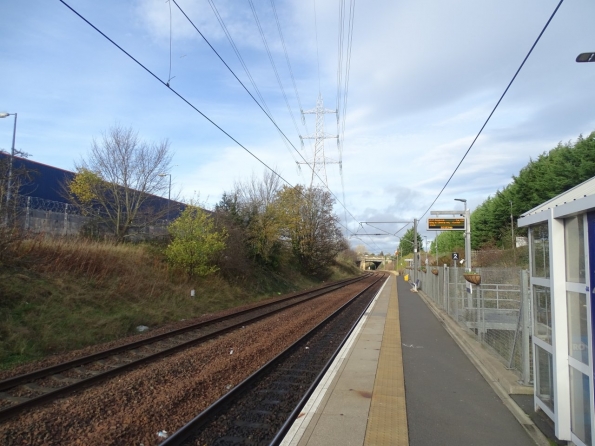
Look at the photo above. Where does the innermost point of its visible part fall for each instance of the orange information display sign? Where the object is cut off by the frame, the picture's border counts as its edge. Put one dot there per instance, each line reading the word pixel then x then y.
pixel 446 224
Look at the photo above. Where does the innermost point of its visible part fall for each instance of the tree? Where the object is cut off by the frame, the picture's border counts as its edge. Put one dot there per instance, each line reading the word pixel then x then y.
pixel 234 261
pixel 257 203
pixel 195 242
pixel 310 227
pixel 406 242
pixel 552 173
pixel 450 241
pixel 360 250
pixel 115 184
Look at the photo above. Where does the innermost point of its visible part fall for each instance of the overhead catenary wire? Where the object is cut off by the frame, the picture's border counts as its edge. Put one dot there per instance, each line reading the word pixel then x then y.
pixel 266 46
pixel 317 53
pixel 297 95
pixel 165 84
pixel 339 90
pixel 261 107
pixel 175 92
pixel 289 67
pixel 262 104
pixel 246 70
pixel 248 91
pixel 342 94
pixel 495 107
pixel 169 78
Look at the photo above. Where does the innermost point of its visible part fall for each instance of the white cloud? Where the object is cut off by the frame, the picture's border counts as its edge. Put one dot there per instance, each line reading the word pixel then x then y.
pixel 424 76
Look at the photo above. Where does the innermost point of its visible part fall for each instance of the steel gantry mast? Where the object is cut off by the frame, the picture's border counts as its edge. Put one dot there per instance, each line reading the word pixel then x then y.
pixel 319 160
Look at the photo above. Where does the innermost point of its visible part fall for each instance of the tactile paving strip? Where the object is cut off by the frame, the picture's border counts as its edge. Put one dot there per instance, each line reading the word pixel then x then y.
pixel 387 420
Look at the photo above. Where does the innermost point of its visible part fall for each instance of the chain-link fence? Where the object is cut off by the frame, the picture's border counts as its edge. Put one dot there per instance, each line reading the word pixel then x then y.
pixel 497 312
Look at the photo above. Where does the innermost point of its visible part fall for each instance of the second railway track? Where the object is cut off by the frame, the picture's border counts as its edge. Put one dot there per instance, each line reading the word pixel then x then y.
pixel 28 390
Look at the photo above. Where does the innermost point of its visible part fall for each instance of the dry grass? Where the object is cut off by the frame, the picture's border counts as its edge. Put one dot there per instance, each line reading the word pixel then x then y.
pixel 120 268
pixel 60 294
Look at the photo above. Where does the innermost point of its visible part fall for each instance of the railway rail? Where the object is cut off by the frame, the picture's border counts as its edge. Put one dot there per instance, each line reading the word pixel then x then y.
pixel 260 410
pixel 31 389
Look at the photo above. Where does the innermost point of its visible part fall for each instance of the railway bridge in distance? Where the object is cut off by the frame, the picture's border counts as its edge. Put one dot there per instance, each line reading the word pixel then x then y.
pixel 368 262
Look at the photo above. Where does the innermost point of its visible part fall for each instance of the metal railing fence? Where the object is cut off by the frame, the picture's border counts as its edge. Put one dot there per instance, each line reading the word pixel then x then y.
pixel 497 312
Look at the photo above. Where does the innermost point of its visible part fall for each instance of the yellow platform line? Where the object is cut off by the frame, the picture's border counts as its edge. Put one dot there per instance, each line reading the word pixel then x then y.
pixel 387 419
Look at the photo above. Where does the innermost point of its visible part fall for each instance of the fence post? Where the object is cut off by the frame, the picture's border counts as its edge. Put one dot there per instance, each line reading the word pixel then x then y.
pixel 446 287
pixel 65 219
pixel 527 327
pixel 477 310
pixel 456 293
pixel 28 214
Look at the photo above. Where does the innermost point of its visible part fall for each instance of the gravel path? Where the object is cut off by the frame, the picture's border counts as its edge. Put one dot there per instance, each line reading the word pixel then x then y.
pixel 133 408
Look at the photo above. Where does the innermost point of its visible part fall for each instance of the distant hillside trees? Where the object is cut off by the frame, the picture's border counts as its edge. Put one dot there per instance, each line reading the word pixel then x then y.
pixel 554 172
pixel 115 183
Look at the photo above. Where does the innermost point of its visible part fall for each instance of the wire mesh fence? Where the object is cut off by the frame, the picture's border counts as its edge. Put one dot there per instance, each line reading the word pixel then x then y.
pixel 497 312
pixel 39 215
pixel 36 203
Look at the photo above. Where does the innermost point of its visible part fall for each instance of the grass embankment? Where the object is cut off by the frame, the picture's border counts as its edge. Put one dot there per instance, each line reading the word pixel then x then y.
pixel 58 295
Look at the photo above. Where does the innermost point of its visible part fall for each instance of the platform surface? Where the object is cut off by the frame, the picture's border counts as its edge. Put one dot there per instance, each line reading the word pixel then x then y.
pixel 402 380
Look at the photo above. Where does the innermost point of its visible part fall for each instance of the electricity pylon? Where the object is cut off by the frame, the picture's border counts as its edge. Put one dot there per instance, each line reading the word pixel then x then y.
pixel 319 160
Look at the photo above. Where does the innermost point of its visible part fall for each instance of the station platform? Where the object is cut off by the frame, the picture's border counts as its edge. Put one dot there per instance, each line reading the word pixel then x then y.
pixel 401 379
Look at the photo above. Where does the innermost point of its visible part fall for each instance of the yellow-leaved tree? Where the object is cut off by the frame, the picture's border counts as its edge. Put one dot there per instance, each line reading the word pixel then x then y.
pixel 195 242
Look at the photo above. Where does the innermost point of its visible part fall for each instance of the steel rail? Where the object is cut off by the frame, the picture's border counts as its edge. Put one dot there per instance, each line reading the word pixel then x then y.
pixel 188 430
pixel 41 373
pixel 83 382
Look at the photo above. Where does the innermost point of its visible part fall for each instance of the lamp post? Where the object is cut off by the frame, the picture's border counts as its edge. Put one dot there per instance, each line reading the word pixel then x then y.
pixel 467 235
pixel 512 240
pixel 14 133
pixel 168 192
pixel 426 249
pixel 586 57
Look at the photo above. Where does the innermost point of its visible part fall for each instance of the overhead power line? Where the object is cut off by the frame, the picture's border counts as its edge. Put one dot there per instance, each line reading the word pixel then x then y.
pixel 495 107
pixel 246 70
pixel 266 46
pixel 165 84
pixel 260 106
pixel 343 93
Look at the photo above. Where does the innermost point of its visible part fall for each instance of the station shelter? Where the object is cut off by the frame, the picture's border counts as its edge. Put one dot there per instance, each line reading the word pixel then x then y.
pixel 562 265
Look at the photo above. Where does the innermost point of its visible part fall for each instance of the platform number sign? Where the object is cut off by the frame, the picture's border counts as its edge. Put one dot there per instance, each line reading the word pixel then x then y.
pixel 455 256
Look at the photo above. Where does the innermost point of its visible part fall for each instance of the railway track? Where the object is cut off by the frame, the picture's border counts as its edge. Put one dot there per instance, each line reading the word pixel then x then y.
pixel 32 389
pixel 261 409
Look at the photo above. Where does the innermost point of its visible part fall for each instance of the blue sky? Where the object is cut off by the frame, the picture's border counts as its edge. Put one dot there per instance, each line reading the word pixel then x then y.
pixel 424 76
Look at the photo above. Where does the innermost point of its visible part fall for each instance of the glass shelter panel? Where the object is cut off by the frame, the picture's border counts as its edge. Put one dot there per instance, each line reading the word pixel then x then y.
pixel 580 407
pixel 540 249
pixel 542 313
pixel 578 331
pixel 545 377
pixel 574 241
